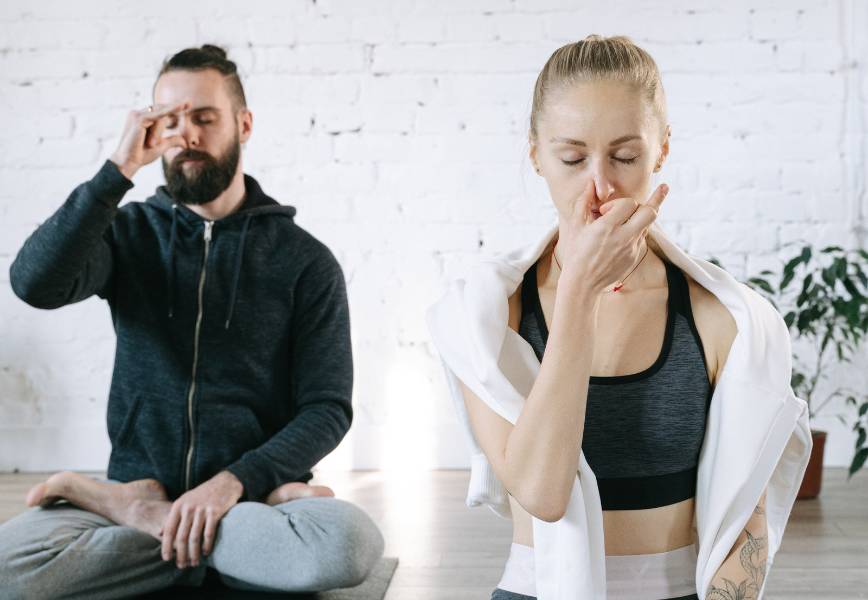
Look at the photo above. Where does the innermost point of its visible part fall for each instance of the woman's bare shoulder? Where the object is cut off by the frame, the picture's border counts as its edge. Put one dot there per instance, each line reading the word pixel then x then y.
pixel 715 324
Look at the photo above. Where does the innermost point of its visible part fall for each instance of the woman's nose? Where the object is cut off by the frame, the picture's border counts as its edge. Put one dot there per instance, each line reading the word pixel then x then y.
pixel 603 181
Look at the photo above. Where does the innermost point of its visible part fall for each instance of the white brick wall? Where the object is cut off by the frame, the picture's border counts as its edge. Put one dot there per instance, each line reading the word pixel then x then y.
pixel 397 129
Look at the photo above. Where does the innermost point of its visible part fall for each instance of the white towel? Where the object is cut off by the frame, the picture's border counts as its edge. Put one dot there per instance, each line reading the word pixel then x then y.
pixel 757 435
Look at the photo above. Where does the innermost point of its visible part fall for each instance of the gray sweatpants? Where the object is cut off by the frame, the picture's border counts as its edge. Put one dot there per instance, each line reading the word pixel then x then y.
pixel 310 544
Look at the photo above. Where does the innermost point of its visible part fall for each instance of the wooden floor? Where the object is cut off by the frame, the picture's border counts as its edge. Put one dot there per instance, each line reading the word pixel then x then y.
pixel 451 552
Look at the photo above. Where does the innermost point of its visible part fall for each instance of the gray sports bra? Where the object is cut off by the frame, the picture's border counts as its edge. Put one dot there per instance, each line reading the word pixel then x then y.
pixel 643 432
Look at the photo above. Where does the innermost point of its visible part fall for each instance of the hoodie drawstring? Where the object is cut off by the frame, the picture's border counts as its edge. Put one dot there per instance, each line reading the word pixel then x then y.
pixel 237 272
pixel 171 274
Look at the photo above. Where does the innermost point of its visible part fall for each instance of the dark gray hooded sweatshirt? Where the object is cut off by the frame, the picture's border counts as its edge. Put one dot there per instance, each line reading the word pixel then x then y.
pixel 233 337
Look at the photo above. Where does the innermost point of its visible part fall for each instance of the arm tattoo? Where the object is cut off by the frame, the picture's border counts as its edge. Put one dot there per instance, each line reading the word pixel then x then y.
pixel 750 587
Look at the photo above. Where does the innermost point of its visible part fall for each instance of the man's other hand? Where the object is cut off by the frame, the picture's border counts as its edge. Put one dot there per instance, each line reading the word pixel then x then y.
pixel 191 525
pixel 142 141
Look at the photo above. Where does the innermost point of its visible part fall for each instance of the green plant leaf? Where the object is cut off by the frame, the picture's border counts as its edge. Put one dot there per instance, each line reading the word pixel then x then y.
pixel 860 441
pixel 797 379
pixel 863 409
pixel 790 271
pixel 789 318
pixel 829 276
pixel 863 254
pixel 858 461
pixel 840 267
pixel 860 275
pixel 762 284
pixel 806 254
pixel 809 279
pixel 832 249
pixel 851 287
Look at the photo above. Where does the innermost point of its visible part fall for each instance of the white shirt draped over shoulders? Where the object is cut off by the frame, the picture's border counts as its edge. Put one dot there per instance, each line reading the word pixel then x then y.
pixel 757 435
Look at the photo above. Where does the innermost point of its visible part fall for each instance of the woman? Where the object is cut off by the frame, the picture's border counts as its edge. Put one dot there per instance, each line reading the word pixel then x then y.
pixel 591 369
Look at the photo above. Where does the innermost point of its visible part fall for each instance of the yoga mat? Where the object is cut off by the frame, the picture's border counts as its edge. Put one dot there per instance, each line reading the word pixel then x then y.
pixel 373 588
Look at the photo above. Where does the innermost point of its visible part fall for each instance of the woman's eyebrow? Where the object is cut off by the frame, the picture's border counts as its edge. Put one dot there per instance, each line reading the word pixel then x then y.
pixel 574 142
pixel 625 138
pixel 566 140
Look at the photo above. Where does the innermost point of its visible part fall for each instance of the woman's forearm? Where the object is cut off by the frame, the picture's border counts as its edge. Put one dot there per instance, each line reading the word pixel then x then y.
pixel 544 446
pixel 742 574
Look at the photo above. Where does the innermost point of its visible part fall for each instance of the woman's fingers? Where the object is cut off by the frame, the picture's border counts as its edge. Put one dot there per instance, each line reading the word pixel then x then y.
pixel 646 213
pixel 582 208
pixel 618 211
pixel 657 197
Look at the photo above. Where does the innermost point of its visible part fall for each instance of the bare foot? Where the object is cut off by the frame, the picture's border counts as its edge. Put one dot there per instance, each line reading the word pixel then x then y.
pixel 140 504
pixel 296 490
pixel 61 486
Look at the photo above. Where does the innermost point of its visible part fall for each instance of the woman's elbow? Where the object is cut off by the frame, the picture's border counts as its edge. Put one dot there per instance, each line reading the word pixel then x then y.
pixel 551 514
pixel 545 507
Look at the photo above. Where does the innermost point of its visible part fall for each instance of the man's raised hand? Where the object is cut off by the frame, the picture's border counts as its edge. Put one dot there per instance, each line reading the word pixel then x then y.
pixel 142 141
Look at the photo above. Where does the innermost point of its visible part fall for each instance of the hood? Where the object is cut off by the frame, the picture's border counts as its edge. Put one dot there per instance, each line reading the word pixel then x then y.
pixel 256 204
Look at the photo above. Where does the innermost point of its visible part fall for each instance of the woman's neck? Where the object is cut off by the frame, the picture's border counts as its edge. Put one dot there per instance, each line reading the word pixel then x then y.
pixel 648 270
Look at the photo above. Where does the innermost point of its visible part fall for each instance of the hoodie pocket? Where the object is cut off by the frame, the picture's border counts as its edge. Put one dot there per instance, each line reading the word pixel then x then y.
pixel 225 432
pixel 122 418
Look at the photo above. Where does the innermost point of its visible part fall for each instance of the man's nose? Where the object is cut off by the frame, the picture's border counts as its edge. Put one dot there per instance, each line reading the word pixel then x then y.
pixel 188 131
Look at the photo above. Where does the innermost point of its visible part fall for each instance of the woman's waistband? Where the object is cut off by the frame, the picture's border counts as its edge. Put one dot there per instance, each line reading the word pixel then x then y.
pixel 639 577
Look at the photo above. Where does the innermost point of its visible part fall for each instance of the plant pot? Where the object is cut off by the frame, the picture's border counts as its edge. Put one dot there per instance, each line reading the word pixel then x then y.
pixel 814 473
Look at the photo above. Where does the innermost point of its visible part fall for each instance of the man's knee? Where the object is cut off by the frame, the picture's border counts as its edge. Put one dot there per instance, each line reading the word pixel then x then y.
pixel 317 544
pixel 348 549
pixel 357 547
pixel 21 557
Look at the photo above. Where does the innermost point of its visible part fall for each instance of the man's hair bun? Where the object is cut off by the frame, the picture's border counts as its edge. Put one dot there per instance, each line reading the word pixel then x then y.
pixel 216 51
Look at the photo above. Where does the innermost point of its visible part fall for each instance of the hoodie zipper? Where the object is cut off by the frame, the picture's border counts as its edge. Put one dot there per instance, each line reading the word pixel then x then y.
pixel 208 226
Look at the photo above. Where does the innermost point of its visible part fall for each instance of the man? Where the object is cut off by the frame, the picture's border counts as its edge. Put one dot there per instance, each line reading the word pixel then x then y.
pixel 232 378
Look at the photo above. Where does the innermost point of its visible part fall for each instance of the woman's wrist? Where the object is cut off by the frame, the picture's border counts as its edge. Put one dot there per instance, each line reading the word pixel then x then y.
pixel 576 296
pixel 576 287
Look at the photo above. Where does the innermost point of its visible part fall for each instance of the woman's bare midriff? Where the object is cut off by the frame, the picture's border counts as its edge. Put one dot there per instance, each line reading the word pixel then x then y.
pixel 628 532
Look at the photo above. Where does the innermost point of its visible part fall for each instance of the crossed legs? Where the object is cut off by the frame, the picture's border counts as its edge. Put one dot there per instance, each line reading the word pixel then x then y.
pixel 105 547
pixel 142 504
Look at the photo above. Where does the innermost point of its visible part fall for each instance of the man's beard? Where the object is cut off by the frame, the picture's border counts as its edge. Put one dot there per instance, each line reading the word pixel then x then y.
pixel 207 180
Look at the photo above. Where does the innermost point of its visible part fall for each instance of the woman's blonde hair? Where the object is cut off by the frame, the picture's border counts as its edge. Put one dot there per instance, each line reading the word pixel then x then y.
pixel 598 58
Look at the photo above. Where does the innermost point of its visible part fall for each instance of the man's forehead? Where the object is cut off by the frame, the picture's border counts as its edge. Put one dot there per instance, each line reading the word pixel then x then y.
pixel 203 89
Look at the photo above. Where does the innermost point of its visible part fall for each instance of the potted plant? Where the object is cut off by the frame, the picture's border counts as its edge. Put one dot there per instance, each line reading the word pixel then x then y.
pixel 824 299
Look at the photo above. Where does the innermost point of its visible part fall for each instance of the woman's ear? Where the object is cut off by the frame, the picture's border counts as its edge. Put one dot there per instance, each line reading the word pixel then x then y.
pixel 664 150
pixel 532 152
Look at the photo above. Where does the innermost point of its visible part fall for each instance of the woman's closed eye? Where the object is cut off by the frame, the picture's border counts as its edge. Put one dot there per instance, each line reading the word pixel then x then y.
pixel 626 161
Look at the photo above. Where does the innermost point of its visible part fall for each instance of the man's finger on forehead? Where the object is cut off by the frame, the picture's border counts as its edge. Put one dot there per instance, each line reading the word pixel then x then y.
pixel 160 110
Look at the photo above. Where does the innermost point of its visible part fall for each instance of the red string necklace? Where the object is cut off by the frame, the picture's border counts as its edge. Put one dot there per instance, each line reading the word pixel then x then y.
pixel 623 281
